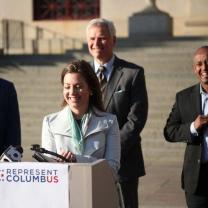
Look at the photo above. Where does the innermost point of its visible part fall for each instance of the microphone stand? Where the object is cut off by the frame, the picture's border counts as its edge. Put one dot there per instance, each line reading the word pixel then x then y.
pixel 38 149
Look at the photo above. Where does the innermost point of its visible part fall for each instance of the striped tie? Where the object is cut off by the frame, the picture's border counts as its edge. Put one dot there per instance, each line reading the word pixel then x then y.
pixel 102 79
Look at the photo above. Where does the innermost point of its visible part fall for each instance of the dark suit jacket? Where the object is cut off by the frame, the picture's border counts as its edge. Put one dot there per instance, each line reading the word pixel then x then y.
pixel 9 116
pixel 126 97
pixel 185 110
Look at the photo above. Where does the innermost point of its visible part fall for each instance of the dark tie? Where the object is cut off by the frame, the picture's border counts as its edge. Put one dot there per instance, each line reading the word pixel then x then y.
pixel 102 79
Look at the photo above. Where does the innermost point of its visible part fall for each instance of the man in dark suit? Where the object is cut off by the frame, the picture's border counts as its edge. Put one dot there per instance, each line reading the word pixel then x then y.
pixel 188 122
pixel 9 116
pixel 125 95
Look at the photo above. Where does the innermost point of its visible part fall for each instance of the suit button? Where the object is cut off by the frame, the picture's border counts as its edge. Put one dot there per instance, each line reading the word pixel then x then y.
pixel 199 160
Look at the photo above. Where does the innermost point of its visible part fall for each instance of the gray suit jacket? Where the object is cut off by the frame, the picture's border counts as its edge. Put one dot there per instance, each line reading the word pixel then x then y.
pixel 101 138
pixel 126 97
pixel 10 132
pixel 177 129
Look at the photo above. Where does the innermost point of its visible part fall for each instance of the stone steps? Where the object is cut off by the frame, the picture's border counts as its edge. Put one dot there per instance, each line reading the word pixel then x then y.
pixel 181 43
pixel 167 71
pixel 37 80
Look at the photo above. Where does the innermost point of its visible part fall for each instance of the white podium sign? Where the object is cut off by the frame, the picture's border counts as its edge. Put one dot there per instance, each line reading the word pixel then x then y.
pixel 34 185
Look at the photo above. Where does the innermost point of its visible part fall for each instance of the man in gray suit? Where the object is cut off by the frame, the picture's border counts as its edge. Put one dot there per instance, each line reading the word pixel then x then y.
pixel 125 95
pixel 188 122
pixel 9 116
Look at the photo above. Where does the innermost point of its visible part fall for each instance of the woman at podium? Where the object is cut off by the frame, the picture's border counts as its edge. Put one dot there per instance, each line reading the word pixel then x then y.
pixel 82 131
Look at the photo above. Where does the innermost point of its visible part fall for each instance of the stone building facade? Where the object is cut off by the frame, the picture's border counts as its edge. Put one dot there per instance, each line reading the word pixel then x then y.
pixel 190 17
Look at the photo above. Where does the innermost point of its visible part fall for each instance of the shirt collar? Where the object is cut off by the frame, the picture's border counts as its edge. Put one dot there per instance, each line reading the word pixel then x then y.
pixel 108 65
pixel 202 92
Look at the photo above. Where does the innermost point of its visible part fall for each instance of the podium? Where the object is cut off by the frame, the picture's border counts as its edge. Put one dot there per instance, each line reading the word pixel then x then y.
pixel 55 185
pixel 92 185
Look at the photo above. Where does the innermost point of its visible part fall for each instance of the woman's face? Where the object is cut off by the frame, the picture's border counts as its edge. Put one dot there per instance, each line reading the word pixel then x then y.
pixel 76 93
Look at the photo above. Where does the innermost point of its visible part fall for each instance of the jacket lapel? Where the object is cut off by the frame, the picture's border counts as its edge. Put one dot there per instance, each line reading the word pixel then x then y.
pixel 196 100
pixel 113 82
pixel 61 124
pixel 98 122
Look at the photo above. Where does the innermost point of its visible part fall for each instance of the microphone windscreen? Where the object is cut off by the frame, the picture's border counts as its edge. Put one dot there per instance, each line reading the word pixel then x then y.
pixel 12 154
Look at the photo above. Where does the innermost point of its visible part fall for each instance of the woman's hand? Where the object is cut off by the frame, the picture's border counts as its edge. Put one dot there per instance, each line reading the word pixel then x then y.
pixel 68 155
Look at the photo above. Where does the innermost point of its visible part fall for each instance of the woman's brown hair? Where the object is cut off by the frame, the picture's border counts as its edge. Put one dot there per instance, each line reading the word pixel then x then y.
pixel 84 68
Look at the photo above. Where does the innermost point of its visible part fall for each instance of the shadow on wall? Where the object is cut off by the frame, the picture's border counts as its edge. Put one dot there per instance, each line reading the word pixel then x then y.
pixel 15 61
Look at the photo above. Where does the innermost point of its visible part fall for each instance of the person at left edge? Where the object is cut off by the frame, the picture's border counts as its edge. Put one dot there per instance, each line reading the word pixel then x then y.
pixel 10 130
pixel 82 131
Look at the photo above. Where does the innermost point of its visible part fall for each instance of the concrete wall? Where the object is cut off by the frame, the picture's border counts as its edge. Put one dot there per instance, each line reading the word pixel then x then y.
pixel 73 29
pixel 19 10
pixel 197 19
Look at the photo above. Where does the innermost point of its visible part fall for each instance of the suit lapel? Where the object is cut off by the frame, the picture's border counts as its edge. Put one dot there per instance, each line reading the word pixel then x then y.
pixel 196 100
pixel 113 82
pixel 62 125
pixel 96 124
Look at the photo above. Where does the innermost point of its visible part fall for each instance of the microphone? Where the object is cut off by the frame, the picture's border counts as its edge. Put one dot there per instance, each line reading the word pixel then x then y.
pixel 12 154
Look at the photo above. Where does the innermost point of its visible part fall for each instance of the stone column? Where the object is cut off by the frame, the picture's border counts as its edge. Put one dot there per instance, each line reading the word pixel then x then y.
pixel 151 23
